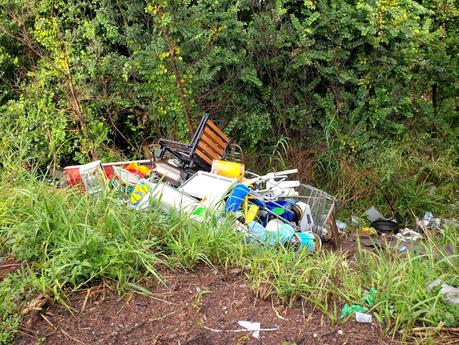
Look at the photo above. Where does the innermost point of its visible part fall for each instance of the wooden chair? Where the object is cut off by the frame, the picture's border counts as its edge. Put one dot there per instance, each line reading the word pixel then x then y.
pixel 208 143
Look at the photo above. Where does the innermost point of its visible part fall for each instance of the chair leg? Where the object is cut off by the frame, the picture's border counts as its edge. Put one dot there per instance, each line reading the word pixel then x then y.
pixel 152 155
pixel 162 151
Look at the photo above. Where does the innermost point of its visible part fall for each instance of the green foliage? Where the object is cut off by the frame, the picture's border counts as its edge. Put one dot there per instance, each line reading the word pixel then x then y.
pixel 404 179
pixel 13 290
pixel 71 240
pixel 204 243
pixel 105 78
pixel 362 96
pixel 39 228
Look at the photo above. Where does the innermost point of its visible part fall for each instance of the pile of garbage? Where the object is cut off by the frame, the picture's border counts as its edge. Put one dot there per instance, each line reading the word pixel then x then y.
pixel 378 231
pixel 208 177
pixel 269 209
pixel 198 179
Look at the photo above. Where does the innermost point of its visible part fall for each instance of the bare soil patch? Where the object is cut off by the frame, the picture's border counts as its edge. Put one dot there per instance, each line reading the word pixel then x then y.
pixel 183 311
pixel 7 266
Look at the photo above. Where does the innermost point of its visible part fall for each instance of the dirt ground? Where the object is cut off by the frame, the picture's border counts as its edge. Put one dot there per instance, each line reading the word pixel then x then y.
pixel 192 308
pixel 7 266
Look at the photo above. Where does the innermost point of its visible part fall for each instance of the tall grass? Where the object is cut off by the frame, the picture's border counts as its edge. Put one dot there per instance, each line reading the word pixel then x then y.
pixel 71 240
pixel 401 179
pixel 328 280
pixel 75 237
pixel 401 279
pixel 208 243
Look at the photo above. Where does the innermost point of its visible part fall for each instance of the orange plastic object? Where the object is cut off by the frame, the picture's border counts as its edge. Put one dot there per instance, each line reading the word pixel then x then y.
pixel 137 169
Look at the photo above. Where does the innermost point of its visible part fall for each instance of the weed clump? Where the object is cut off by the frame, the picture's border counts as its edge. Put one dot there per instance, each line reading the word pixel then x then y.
pixel 71 240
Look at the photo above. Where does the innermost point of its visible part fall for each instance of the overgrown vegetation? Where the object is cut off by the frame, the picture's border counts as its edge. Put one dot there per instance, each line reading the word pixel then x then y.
pixel 361 95
pixel 361 91
pixel 71 240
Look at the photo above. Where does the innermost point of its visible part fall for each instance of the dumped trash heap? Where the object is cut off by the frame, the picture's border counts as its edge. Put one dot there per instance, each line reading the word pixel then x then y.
pixel 207 177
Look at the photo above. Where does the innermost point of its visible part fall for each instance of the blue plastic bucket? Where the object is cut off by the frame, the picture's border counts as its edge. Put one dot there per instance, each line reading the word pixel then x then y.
pixel 236 198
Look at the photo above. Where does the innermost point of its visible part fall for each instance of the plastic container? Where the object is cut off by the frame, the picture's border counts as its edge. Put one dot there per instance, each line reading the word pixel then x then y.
pixel 109 167
pixel 308 240
pixel 167 196
pixel 275 207
pixel 116 184
pixel 137 169
pixel 208 187
pixel 251 213
pixel 140 195
pixel 259 233
pixel 236 198
pixel 199 214
pixel 274 225
pixel 227 169
pixel 168 172
pixel 93 177
pixel 72 175
pixel 171 198
pixel 126 177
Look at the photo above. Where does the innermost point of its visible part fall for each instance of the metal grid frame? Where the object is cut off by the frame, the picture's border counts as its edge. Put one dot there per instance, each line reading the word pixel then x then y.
pixel 320 202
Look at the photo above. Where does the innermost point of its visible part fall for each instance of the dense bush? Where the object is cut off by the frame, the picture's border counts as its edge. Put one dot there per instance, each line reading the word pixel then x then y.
pixel 338 81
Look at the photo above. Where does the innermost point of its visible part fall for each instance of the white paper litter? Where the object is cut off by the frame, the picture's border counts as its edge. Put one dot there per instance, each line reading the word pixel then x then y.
pixel 408 235
pixel 363 318
pixel 251 326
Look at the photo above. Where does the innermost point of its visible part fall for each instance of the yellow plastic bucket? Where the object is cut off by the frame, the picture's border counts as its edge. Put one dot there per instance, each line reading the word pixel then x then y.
pixel 227 169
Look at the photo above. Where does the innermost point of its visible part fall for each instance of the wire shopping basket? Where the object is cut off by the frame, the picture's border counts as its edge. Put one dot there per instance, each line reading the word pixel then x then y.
pixel 315 203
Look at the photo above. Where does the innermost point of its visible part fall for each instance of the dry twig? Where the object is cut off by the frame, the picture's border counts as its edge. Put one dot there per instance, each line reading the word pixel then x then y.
pixel 36 304
pixel 49 322
pixel 71 338
pixel 85 301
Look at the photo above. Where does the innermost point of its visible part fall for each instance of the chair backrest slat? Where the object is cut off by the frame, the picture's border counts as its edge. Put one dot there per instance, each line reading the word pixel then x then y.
pixel 203 156
pixel 209 143
pixel 210 147
pixel 217 131
pixel 210 135
pixel 219 146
